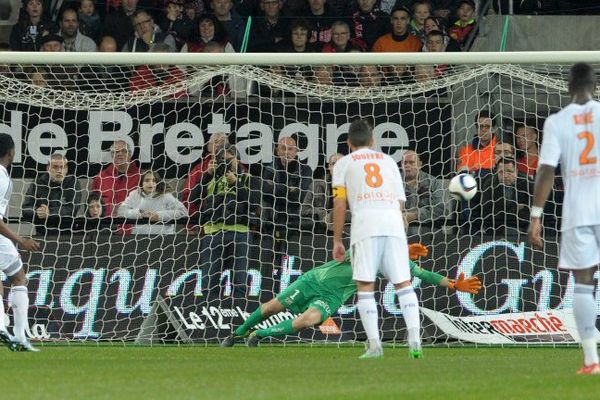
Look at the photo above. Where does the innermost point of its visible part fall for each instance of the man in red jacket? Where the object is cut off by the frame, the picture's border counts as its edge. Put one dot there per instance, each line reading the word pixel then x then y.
pixel 116 180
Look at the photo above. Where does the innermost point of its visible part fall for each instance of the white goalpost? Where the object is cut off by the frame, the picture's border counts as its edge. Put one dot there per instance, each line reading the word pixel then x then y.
pixel 97 281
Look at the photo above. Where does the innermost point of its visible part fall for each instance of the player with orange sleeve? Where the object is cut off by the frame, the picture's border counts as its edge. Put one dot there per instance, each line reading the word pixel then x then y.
pixel 369 182
pixel 572 138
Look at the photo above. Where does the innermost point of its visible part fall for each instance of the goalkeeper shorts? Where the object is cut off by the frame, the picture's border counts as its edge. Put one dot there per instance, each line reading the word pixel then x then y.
pixel 305 293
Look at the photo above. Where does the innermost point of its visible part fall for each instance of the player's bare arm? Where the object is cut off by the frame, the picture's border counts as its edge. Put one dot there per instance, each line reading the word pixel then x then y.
pixel 543 185
pixel 24 243
pixel 339 218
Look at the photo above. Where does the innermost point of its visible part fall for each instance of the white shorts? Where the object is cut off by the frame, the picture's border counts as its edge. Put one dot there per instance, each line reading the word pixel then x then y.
pixel 10 259
pixel 385 254
pixel 580 247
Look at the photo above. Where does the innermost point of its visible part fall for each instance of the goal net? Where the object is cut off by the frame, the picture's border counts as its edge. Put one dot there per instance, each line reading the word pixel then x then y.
pixel 191 264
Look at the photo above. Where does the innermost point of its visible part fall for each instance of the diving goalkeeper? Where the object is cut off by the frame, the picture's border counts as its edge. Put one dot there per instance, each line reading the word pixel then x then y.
pixel 319 293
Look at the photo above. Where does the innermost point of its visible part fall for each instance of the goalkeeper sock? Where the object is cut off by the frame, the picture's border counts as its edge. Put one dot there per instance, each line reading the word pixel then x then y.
pixel 584 311
pixel 253 319
pixel 20 306
pixel 410 310
pixel 367 309
pixel 2 315
pixel 281 329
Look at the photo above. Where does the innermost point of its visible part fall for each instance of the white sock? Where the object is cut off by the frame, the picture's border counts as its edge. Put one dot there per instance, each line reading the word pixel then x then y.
pixel 584 311
pixel 367 308
pixel 2 314
pixel 410 310
pixel 20 306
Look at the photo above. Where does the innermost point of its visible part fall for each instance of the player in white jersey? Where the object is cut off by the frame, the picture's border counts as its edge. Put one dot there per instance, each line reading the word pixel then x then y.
pixel 572 138
pixel 10 260
pixel 370 183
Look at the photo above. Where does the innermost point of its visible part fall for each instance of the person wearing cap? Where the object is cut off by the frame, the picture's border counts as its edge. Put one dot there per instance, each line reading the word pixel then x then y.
pixel 32 25
pixel 52 42
pixel 465 24
pixel 176 23
pixel 69 30
pixel 226 205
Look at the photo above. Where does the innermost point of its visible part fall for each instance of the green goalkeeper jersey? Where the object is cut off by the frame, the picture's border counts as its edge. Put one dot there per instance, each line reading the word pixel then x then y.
pixel 335 277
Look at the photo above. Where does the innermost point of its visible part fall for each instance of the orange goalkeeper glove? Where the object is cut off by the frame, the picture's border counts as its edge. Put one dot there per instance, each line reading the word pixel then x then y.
pixel 470 285
pixel 417 250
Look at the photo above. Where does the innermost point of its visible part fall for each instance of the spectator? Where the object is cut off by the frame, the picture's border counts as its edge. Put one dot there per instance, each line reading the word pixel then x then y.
pixel 215 144
pixel 465 24
pixel 399 40
pixel 209 30
pixel 89 20
pixel 421 11
pixel 435 24
pixel 154 201
pixel 176 23
pixel 26 34
pixel 344 75
pixel 503 203
pixel 320 18
pixel 147 35
pixel 119 178
pixel 425 202
pixel 118 23
pixel 443 8
pixel 191 10
pixel 528 149
pixel 434 44
pixel 317 208
pixel 285 185
pixel 224 196
pixel 268 30
pixel 104 78
pixel 69 30
pixel 152 76
pixel 479 155
pixel 297 43
pixel 503 149
pixel 232 22
pixel 59 77
pixel 369 23
pixel 95 217
pixel 52 201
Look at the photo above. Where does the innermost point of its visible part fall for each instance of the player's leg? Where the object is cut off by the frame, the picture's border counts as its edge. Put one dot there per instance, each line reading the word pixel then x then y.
pixel 20 305
pixel 365 260
pixel 311 317
pixel 579 251
pixel 395 267
pixel 263 312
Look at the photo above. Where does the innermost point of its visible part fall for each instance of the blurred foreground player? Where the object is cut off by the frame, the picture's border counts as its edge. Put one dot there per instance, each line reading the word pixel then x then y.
pixel 10 260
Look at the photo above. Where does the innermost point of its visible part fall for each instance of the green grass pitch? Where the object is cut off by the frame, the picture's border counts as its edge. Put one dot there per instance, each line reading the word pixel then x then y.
pixel 292 372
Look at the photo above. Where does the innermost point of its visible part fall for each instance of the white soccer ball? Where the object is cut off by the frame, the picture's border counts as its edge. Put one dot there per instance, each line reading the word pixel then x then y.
pixel 463 187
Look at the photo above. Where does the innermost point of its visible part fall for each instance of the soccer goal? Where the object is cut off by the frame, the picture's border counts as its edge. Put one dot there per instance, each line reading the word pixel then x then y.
pixel 126 277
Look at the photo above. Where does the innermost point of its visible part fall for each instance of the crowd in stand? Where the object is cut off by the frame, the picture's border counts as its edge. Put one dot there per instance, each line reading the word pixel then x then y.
pixel 297 26
pixel 222 199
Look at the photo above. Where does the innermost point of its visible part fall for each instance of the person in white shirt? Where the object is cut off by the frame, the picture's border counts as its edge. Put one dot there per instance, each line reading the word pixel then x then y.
pixel 370 182
pixel 152 200
pixel 69 30
pixel 572 138
pixel 10 259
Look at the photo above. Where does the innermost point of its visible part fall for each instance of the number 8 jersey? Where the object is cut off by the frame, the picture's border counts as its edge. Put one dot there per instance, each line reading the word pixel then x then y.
pixel 371 182
pixel 572 137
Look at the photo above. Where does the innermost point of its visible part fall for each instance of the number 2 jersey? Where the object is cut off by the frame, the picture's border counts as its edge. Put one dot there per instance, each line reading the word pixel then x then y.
pixel 371 182
pixel 572 138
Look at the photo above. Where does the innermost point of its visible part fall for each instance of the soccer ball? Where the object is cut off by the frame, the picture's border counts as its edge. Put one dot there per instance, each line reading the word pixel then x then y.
pixel 463 187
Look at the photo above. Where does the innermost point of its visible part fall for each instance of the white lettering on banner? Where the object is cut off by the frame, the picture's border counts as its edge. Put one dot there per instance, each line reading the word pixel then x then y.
pixel 554 326
pixel 184 141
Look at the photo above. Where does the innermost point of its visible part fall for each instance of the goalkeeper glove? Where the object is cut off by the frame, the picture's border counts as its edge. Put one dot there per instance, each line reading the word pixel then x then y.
pixel 417 250
pixel 470 285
